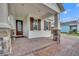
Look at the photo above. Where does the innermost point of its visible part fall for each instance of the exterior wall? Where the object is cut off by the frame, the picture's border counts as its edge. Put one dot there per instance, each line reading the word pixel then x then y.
pixel 37 33
pixel 65 28
pixel 41 33
pixel 53 6
pixel 12 22
pixel 34 33
pixel 26 27
pixel 25 24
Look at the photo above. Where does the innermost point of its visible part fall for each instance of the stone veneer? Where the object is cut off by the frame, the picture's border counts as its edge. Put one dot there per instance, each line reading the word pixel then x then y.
pixel 6 36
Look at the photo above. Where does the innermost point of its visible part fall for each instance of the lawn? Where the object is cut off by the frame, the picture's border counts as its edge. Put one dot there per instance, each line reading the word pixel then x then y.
pixel 76 34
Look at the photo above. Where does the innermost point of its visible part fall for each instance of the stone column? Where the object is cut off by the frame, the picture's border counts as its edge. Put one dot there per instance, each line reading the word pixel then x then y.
pixel 5 39
pixel 56 29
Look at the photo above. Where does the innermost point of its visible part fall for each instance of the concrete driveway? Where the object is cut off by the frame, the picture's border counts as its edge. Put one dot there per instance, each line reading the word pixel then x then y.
pixel 69 46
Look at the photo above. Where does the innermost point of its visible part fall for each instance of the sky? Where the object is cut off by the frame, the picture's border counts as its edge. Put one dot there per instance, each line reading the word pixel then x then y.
pixel 71 12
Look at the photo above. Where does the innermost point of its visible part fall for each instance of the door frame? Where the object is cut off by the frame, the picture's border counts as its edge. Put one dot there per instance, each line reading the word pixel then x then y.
pixel 19 32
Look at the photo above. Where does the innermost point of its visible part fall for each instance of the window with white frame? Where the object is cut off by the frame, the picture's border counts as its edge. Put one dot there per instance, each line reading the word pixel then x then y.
pixel 46 25
pixel 35 25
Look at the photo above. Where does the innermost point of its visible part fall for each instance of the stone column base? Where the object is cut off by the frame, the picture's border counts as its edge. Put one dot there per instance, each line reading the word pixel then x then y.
pixel 5 41
pixel 56 35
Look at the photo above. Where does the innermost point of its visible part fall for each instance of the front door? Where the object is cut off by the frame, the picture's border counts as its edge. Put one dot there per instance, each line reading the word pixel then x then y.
pixel 19 27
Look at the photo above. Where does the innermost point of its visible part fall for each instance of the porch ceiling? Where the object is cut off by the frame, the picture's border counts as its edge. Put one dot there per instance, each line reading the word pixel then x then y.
pixel 36 9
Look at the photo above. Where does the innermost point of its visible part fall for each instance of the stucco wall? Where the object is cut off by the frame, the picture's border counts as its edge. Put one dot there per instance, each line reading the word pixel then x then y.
pixel 41 33
pixel 12 21
pixel 34 33
pixel 25 24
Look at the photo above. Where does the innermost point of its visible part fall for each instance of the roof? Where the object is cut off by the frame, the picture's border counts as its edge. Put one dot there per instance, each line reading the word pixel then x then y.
pixel 60 5
pixel 70 22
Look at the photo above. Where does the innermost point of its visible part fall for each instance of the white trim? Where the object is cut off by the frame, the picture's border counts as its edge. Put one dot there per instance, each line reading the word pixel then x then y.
pixel 4 25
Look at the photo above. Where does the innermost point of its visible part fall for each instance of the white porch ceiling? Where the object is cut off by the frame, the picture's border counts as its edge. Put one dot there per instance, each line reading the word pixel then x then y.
pixel 36 9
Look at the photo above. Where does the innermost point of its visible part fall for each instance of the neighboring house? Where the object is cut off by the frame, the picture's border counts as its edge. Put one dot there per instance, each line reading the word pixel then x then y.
pixel 31 20
pixel 71 26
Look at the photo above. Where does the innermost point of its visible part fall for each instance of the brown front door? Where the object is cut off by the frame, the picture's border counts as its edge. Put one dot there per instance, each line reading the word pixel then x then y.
pixel 19 27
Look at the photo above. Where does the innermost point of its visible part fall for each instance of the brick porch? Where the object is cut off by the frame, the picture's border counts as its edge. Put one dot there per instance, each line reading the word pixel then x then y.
pixel 24 46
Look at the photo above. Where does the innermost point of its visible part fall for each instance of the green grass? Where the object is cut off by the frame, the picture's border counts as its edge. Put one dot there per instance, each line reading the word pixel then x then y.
pixel 73 33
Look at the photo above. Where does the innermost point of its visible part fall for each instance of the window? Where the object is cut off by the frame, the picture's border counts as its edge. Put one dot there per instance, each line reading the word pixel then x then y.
pixel 19 26
pixel 35 25
pixel 39 24
pixel 46 25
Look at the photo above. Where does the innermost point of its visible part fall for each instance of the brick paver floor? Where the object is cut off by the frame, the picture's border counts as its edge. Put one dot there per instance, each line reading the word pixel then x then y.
pixel 69 46
pixel 24 46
